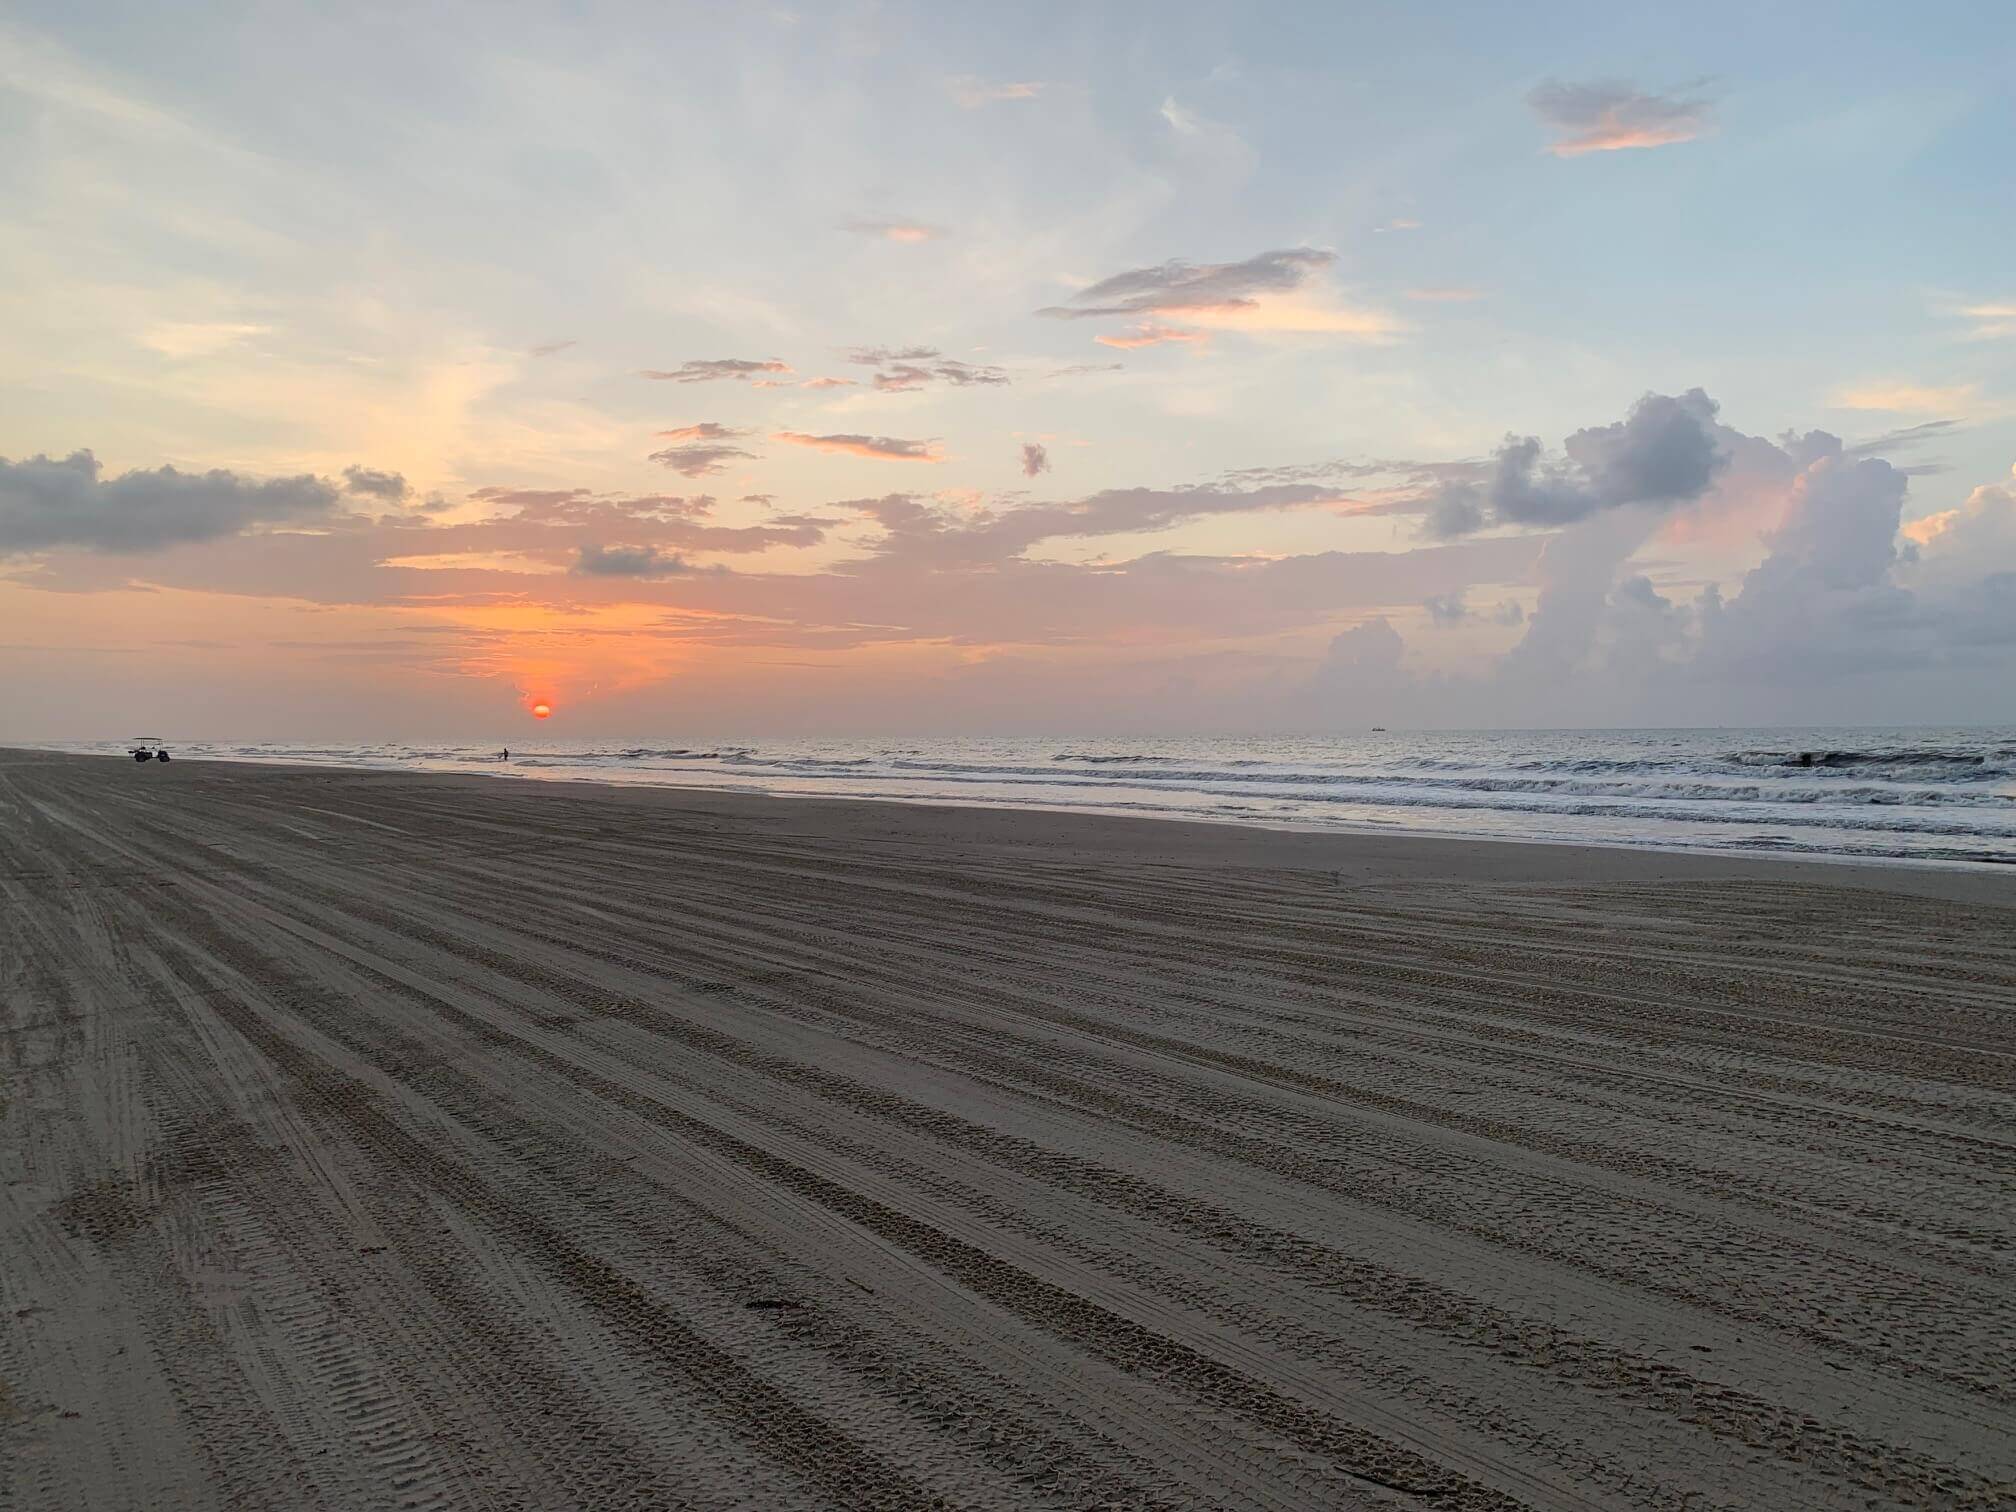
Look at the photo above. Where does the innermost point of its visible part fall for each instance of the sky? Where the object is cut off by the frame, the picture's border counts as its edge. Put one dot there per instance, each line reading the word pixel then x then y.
pixel 382 372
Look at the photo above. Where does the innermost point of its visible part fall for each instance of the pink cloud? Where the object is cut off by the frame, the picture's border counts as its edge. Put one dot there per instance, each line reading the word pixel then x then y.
pixel 881 448
pixel 1150 333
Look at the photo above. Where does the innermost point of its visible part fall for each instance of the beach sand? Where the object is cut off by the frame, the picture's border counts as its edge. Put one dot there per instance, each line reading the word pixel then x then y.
pixel 379 1140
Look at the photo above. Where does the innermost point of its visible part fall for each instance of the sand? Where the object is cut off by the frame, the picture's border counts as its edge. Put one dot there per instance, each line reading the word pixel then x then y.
pixel 376 1140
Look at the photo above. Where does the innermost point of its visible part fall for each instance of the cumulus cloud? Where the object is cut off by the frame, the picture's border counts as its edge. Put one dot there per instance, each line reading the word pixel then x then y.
pixel 392 487
pixel 47 502
pixel 717 370
pixel 1666 451
pixel 886 448
pixel 628 561
pixel 1610 117
pixel 907 232
pixel 1035 458
pixel 973 92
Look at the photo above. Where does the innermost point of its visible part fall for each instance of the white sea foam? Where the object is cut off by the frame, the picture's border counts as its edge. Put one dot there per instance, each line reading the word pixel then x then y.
pixel 1944 796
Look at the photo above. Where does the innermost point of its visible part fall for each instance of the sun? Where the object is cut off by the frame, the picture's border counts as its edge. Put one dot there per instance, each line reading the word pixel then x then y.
pixel 542 711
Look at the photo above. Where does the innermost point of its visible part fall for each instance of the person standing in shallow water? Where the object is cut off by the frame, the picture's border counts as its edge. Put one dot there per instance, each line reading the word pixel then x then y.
pixel 505 754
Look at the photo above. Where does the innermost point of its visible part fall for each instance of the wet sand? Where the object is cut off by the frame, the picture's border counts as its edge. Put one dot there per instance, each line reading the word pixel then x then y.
pixel 379 1140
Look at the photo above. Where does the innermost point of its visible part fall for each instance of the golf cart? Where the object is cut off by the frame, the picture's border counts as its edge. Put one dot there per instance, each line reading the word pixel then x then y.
pixel 147 748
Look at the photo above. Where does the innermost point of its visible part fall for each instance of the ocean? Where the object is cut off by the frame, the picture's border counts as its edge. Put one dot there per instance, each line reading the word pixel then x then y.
pixel 1944 796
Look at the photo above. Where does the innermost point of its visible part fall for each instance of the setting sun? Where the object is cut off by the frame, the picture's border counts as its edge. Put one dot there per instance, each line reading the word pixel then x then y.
pixel 542 711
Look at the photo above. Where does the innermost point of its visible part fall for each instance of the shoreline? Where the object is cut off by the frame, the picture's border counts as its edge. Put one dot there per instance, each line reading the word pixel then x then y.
pixel 1326 848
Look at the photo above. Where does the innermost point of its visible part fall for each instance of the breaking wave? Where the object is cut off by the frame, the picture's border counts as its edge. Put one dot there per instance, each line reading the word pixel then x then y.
pixel 1946 796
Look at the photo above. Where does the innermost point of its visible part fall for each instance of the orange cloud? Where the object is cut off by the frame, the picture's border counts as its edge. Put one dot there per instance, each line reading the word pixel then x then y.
pixel 910 232
pixel 1906 398
pixel 1929 528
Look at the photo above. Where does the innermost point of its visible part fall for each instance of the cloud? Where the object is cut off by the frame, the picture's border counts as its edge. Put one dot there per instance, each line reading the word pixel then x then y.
pixel 629 561
pixel 1149 333
pixel 735 369
pixel 565 506
pixel 973 92
pixel 547 349
pixel 698 458
pixel 880 356
pixel 45 502
pixel 1213 143
pixel 1447 294
pixel 198 338
pixel 904 369
pixel 1080 369
pixel 828 383
pixel 706 430
pixel 1035 458
pixel 1270 292
pixel 886 448
pixel 1446 609
pixel 392 487
pixel 1993 319
pixel 907 232
pixel 1178 287
pixel 1397 225
pixel 1666 451
pixel 918 530
pixel 1611 117
pixel 1450 609
pixel 1903 438
pixel 1907 398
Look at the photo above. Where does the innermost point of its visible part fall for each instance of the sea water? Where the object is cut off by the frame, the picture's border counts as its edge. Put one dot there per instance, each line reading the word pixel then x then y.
pixel 1928 795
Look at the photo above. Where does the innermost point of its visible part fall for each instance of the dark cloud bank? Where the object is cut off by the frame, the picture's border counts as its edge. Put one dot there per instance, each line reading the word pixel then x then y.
pixel 45 502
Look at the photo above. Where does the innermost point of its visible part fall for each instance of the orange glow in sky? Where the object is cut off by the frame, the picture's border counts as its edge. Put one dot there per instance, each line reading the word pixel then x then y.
pixel 541 711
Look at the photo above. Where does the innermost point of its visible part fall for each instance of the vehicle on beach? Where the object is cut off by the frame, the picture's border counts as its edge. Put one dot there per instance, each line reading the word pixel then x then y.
pixel 146 748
